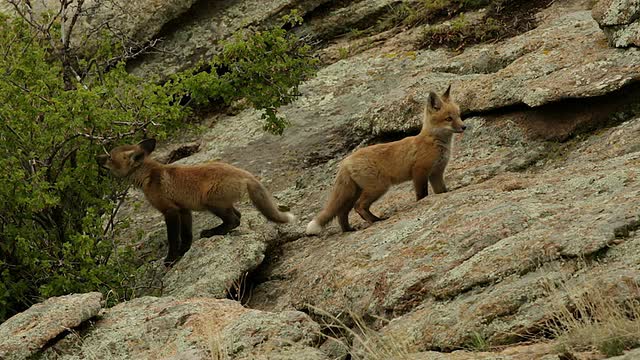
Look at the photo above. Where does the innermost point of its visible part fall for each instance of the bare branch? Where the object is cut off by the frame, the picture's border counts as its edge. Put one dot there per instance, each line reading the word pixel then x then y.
pixel 25 89
pixel 111 223
pixel 132 52
pixel 74 19
pixel 28 16
pixel 109 139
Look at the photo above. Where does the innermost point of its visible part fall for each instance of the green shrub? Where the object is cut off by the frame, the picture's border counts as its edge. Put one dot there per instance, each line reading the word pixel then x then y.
pixel 264 67
pixel 56 115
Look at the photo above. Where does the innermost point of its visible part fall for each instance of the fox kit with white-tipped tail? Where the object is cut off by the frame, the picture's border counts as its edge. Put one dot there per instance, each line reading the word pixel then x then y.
pixel 365 175
pixel 176 190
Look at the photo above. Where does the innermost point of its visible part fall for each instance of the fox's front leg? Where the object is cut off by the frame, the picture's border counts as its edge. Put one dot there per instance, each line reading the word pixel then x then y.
pixel 420 182
pixel 437 183
pixel 172 220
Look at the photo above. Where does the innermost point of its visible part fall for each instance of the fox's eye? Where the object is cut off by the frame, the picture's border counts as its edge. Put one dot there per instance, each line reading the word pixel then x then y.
pixel 449 118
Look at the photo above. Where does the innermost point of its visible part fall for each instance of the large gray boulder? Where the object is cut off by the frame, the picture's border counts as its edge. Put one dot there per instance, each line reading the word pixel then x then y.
pixel 28 332
pixel 196 328
pixel 209 23
pixel 620 20
pixel 132 22
pixel 139 21
pixel 567 57
pixel 214 266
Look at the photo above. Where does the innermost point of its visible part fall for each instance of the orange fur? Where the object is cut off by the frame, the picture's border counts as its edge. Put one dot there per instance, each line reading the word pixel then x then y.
pixel 176 190
pixel 367 174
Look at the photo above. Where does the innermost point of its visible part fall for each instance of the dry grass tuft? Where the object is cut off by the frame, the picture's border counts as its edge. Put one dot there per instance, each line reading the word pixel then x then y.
pixel 597 320
pixel 365 342
pixel 215 345
pixel 240 289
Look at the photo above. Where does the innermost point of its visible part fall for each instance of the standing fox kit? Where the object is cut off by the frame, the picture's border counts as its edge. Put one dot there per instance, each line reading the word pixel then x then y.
pixel 176 190
pixel 365 175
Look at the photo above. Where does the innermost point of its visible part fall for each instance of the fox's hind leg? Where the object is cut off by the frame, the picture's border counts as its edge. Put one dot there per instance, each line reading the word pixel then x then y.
pixel 186 235
pixel 343 212
pixel 236 213
pixel 230 220
pixel 368 197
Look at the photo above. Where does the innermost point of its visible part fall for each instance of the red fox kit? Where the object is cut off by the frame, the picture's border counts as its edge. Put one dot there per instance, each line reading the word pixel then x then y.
pixel 176 190
pixel 365 175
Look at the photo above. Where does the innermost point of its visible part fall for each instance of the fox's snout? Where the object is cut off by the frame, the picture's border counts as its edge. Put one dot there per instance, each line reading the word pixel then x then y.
pixel 458 126
pixel 102 160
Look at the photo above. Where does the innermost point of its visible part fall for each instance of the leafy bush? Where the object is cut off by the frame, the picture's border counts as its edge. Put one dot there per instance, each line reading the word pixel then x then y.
pixel 264 67
pixel 56 208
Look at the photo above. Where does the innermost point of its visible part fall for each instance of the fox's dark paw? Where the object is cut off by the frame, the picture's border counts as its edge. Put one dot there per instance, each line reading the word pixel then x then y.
pixel 184 251
pixel 213 232
pixel 169 262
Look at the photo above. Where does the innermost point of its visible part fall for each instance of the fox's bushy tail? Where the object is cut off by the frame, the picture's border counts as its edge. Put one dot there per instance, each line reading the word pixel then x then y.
pixel 342 196
pixel 263 201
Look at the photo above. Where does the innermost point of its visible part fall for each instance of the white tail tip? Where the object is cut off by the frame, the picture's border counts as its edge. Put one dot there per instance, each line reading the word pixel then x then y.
pixel 291 218
pixel 313 228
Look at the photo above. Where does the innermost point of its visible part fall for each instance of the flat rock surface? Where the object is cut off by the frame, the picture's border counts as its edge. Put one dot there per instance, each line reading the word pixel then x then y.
pixel 26 333
pixel 222 260
pixel 196 328
pixel 620 20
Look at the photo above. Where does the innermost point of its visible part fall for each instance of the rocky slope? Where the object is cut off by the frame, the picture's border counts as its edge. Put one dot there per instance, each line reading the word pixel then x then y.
pixel 543 208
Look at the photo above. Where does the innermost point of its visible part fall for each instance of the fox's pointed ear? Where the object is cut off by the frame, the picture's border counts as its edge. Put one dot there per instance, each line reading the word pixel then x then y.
pixel 137 156
pixel 434 102
pixel 447 94
pixel 148 145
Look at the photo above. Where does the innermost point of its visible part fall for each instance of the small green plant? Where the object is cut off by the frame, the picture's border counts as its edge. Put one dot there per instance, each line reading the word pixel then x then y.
pixel 477 342
pixel 355 33
pixel 613 347
pixel 459 23
pixel 435 5
pixel 395 15
pixel 343 52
